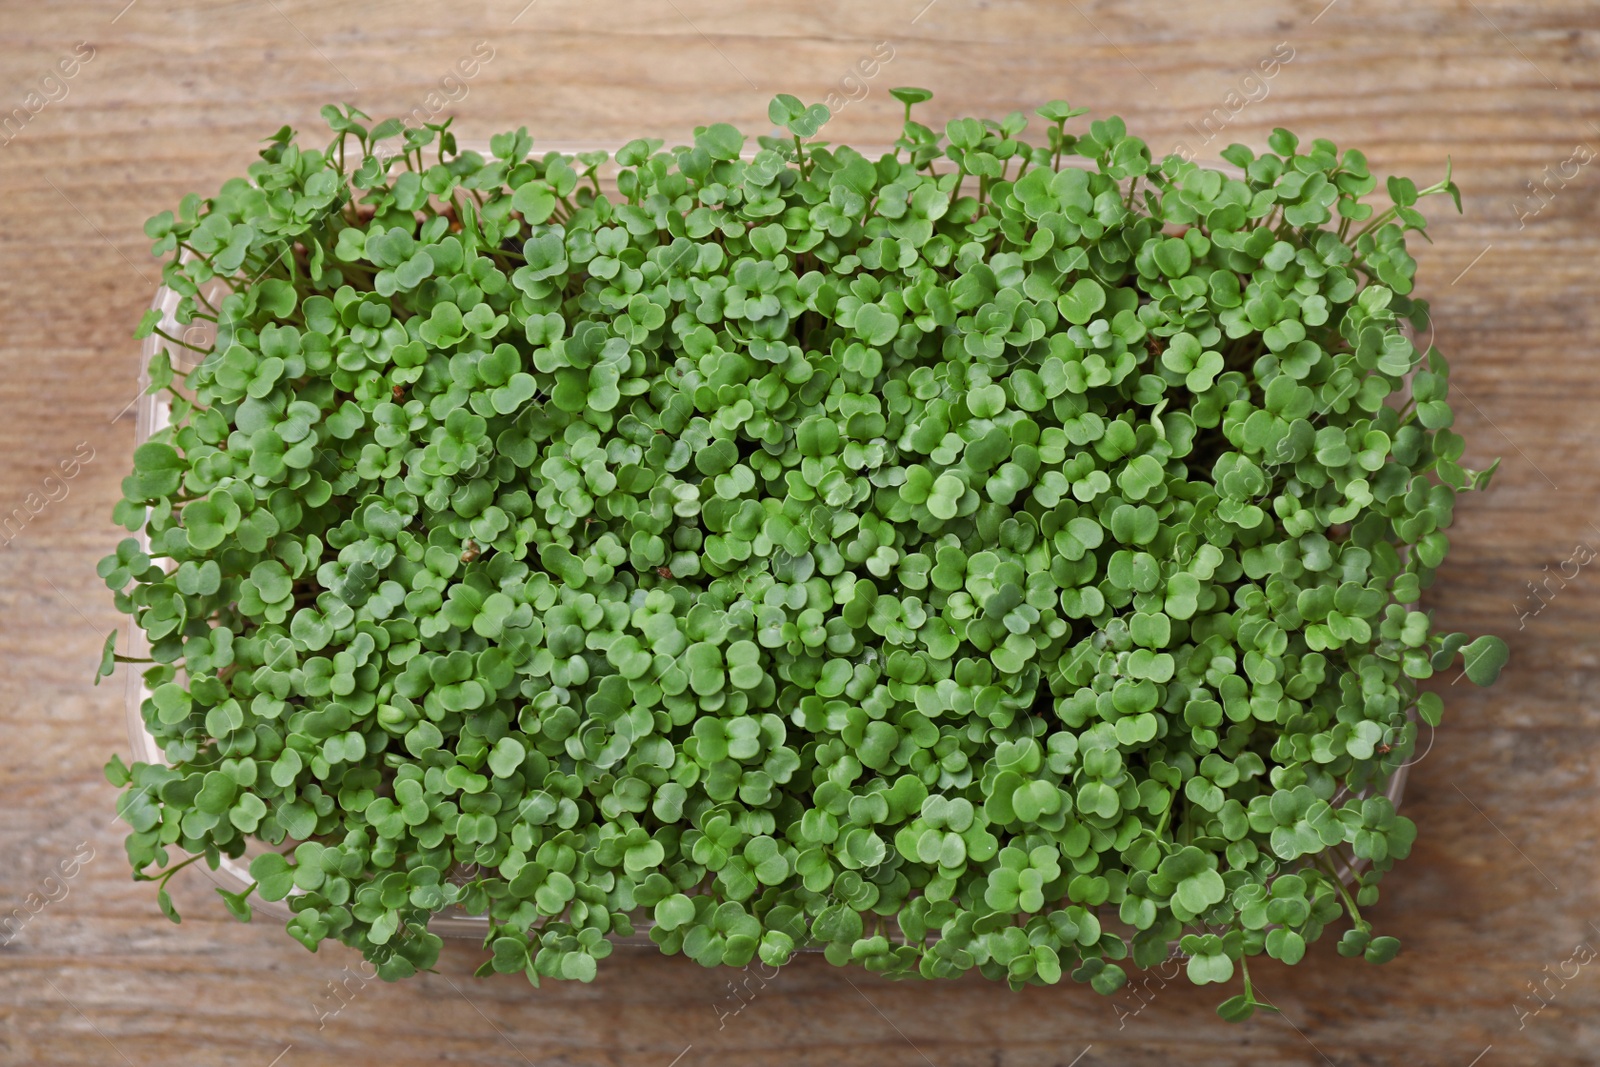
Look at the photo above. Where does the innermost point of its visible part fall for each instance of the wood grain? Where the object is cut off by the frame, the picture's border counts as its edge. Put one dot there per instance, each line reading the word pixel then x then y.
pixel 1502 882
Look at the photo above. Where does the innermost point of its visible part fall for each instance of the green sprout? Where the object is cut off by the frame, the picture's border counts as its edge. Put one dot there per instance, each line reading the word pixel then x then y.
pixel 794 547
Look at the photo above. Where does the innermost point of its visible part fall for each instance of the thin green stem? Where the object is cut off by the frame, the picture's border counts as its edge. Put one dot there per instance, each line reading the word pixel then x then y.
pixel 1441 186
pixel 1375 222
pixel 170 871
pixel 167 336
pixel 1349 902
pixel 1161 827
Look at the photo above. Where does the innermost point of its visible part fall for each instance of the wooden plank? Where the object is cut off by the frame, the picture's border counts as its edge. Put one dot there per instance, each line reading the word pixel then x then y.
pixel 1501 884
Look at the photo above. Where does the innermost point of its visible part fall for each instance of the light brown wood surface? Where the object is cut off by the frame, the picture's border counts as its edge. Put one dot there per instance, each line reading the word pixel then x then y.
pixel 1501 888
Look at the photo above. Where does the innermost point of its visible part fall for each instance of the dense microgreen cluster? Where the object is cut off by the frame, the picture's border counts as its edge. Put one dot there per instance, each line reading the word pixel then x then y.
pixel 995 554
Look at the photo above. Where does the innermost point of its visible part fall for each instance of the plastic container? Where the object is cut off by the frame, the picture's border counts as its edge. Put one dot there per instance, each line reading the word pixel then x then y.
pixel 153 415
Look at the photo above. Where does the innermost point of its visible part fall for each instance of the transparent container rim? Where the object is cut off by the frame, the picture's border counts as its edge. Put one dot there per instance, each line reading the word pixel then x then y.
pixel 153 414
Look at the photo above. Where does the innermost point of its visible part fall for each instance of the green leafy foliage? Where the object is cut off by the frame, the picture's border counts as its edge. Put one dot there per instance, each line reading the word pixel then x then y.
pixel 925 556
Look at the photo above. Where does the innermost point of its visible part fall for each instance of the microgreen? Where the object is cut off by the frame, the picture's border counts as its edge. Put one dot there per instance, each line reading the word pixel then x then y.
pixel 990 555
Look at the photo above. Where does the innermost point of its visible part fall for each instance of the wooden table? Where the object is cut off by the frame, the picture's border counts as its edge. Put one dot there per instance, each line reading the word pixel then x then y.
pixel 174 97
